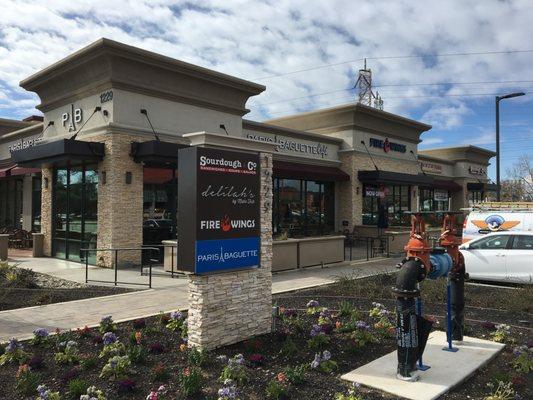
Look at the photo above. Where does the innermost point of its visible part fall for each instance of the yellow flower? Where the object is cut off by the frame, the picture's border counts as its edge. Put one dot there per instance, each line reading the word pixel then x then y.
pixel 183 347
pixel 138 337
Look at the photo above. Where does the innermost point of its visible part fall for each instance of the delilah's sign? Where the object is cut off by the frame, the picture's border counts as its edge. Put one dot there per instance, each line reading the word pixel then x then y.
pixel 218 210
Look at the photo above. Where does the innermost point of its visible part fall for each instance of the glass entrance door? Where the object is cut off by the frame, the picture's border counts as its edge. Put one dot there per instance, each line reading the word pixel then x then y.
pixel 75 215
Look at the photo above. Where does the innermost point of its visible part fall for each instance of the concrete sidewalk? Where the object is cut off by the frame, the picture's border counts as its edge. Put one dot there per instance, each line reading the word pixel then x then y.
pixel 168 294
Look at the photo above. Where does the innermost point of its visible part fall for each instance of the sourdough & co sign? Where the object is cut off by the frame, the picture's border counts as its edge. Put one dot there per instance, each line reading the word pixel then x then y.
pixel 218 210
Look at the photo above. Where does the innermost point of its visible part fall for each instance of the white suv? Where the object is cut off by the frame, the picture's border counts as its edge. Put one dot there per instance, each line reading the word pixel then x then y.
pixel 500 256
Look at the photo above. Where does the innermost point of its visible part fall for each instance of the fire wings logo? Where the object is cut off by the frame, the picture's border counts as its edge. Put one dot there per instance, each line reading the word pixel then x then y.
pixel 495 223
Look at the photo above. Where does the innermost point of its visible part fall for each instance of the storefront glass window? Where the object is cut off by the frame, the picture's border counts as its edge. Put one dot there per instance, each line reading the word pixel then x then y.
pixel 75 210
pixel 395 198
pixel 159 205
pixel 434 200
pixel 303 208
pixel 474 196
pixel 11 203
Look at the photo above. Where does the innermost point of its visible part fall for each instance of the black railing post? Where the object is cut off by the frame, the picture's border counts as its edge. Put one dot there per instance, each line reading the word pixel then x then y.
pixel 368 244
pixel 388 246
pixel 116 266
pixel 150 276
pixel 172 260
pixel 86 265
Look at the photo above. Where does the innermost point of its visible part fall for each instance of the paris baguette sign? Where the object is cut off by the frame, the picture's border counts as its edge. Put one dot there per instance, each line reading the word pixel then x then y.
pixel 218 210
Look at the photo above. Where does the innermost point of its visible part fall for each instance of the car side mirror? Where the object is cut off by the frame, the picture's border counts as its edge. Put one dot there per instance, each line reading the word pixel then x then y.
pixel 464 246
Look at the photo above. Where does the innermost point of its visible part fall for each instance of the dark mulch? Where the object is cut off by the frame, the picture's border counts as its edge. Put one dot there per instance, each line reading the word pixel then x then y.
pixel 12 298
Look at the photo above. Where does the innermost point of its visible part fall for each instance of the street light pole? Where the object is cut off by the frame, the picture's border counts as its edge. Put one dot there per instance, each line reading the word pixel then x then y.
pixel 498 190
pixel 498 99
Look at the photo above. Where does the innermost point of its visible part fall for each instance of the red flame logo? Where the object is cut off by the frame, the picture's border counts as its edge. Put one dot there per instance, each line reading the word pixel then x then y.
pixel 386 146
pixel 225 224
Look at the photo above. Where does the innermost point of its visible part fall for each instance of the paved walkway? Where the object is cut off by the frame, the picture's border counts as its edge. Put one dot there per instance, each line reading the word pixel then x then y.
pixel 167 294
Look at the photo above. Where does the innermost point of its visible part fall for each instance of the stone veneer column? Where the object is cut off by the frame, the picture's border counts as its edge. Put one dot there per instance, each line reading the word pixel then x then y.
pixel 120 205
pixel 47 183
pixel 230 307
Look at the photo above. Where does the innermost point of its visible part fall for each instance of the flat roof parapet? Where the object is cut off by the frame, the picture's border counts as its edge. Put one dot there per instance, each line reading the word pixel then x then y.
pixel 108 64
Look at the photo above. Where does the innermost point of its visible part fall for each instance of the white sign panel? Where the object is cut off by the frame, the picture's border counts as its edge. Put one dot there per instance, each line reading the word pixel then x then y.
pixel 440 195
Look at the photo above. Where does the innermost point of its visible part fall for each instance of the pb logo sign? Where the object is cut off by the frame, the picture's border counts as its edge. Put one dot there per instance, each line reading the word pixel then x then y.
pixel 71 119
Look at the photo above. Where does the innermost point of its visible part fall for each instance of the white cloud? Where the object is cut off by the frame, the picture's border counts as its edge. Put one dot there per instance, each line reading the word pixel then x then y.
pixel 258 39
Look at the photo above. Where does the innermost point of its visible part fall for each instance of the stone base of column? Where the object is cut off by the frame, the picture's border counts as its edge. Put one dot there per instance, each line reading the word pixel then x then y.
pixel 229 307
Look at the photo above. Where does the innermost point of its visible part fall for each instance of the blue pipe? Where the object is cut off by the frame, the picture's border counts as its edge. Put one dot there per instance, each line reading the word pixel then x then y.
pixel 441 264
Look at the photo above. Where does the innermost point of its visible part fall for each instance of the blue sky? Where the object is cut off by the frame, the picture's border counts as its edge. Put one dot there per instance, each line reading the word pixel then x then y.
pixel 308 53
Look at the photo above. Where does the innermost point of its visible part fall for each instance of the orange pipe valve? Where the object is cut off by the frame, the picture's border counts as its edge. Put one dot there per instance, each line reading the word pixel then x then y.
pixel 418 247
pixel 449 240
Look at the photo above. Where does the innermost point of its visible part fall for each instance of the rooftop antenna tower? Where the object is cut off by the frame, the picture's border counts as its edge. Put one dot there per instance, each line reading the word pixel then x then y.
pixel 364 88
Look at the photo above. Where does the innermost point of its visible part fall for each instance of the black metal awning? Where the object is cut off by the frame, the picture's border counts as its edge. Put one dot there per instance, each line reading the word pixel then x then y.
pixel 482 186
pixel 155 152
pixel 445 184
pixel 63 151
pixel 395 178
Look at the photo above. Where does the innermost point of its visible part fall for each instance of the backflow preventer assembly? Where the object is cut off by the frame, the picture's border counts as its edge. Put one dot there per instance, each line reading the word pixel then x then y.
pixel 423 261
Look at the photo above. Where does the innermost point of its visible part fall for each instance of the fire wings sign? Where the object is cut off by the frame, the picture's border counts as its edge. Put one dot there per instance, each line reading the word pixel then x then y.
pixel 218 210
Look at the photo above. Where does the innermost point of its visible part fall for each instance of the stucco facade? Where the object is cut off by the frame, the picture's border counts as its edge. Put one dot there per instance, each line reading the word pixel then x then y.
pixel 344 154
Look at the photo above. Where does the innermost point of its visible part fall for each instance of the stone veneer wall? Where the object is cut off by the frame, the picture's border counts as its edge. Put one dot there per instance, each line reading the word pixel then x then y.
pixel 230 307
pixel 46 209
pixel 120 205
pixel 350 203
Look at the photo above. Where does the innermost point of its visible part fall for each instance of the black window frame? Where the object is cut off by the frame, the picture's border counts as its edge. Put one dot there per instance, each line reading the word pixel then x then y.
pixel 83 206
pixel 324 228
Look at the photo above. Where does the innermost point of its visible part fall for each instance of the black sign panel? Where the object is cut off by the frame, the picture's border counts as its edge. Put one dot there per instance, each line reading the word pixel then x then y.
pixel 218 210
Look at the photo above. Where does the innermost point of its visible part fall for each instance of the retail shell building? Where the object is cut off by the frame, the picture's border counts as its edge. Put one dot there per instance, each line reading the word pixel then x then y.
pixel 92 173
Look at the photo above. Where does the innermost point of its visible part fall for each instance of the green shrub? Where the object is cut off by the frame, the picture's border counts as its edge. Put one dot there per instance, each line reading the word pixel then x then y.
pixel 523 362
pixel 13 353
pixel 88 362
pixel 362 337
pixel 197 357
pixel 76 388
pixel 107 325
pixel 137 354
pixel 113 349
pixel 318 342
pixel 69 355
pixel 289 348
pixel 160 373
pixel 500 391
pixel 191 381
pixel 296 375
pixel 276 390
pixel 117 367
pixel 345 308
pixel 235 370
pixel 27 381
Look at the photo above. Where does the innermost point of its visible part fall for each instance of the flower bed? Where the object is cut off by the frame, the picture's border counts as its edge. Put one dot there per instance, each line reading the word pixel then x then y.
pixel 314 342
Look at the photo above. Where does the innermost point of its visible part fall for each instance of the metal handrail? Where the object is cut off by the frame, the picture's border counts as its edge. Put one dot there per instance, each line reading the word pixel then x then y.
pixel 351 239
pixel 115 267
pixel 172 246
